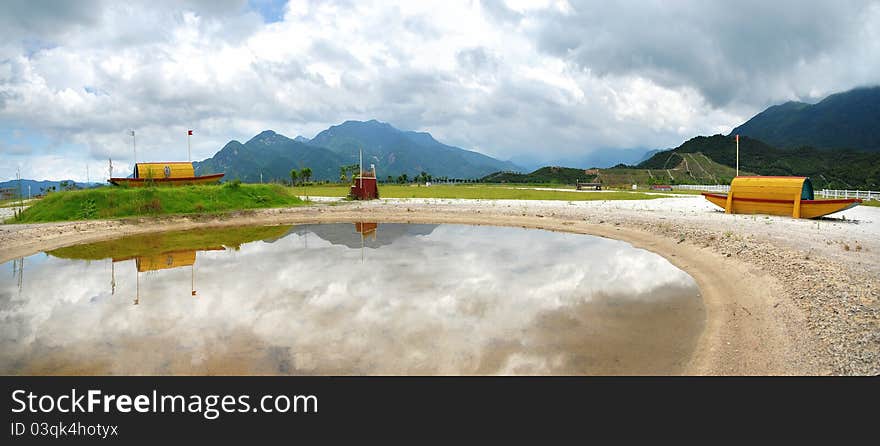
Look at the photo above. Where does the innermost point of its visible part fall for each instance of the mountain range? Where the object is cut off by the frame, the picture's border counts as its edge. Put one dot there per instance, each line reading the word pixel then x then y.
pixel 392 151
pixel 848 120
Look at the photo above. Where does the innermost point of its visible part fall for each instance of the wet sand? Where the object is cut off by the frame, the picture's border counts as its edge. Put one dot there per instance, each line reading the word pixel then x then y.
pixel 771 307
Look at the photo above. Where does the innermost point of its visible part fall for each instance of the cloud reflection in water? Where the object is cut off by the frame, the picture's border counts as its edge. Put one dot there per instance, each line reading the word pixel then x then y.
pixel 416 299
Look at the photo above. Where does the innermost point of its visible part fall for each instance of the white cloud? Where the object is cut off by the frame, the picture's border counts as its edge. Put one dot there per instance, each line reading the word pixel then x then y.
pixel 451 314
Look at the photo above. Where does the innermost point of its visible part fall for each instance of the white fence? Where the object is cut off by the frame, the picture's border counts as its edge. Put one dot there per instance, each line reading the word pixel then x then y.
pixel 704 187
pixel 846 193
pixel 824 193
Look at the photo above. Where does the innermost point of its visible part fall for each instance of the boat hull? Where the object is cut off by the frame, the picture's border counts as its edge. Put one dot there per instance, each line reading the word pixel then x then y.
pixel 185 181
pixel 808 208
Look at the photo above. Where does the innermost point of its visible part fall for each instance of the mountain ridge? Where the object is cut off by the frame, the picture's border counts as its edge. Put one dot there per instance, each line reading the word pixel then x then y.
pixel 393 151
pixel 845 120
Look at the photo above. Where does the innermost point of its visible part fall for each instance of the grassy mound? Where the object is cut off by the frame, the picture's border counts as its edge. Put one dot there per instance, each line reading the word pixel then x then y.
pixel 115 202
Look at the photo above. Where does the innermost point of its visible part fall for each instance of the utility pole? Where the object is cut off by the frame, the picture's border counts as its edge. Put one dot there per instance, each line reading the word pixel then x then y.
pixel 133 148
pixel 737 155
pixel 18 177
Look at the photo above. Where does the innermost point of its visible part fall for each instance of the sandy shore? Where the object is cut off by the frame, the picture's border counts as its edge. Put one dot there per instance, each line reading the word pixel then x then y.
pixel 782 296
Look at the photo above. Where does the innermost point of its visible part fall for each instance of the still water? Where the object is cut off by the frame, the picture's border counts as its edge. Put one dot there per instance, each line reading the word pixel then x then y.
pixel 348 299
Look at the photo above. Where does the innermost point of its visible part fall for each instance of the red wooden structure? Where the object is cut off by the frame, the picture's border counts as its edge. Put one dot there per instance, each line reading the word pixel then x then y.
pixel 365 187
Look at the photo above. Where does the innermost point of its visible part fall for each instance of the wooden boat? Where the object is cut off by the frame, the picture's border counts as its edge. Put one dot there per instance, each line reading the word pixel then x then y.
pixel 791 196
pixel 174 173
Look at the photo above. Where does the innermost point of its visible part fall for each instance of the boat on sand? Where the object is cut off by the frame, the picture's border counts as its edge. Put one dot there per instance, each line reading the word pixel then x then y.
pixel 789 196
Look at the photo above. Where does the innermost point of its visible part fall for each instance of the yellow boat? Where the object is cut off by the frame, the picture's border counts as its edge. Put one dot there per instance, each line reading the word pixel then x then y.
pixel 790 196
pixel 174 173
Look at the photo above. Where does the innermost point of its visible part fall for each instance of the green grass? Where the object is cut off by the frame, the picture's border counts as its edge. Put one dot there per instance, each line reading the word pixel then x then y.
pixel 115 202
pixel 478 191
pixel 872 203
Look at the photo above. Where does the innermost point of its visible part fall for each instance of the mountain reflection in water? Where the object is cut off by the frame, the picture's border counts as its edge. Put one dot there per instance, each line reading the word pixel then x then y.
pixel 348 299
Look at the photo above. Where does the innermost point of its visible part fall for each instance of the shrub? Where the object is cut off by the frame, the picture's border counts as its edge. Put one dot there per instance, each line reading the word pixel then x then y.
pixel 234 184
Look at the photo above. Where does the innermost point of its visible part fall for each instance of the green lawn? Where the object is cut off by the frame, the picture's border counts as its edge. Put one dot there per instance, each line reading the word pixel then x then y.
pixel 475 191
pixel 114 202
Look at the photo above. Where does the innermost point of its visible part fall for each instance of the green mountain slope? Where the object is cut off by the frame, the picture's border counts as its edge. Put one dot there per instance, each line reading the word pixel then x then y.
pixel 396 152
pixel 393 151
pixel 838 169
pixel 671 167
pixel 274 156
pixel 849 120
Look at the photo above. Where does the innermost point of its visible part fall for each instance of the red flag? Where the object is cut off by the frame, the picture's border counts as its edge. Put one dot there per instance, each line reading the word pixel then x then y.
pixel 190 132
pixel 737 136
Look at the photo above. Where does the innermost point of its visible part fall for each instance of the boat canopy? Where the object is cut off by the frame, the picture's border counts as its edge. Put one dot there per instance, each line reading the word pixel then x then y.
pixel 161 170
pixel 166 261
pixel 772 188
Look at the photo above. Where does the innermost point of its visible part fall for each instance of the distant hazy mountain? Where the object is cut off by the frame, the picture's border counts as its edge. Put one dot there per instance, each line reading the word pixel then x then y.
pixel 547 174
pixel 396 152
pixel 597 158
pixel 849 120
pixel 648 155
pixel 38 187
pixel 274 156
pixel 393 151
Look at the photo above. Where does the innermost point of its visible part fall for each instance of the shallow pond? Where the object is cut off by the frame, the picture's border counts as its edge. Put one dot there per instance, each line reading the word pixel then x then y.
pixel 348 299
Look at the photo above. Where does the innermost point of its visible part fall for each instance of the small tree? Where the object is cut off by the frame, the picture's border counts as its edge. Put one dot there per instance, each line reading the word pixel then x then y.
pixel 306 174
pixel 293 175
pixel 390 179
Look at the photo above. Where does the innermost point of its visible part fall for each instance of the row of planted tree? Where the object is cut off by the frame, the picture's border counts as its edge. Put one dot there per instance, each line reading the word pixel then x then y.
pixel 349 173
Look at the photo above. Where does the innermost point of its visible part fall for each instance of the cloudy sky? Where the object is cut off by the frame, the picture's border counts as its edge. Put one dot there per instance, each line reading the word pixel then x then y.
pixel 542 79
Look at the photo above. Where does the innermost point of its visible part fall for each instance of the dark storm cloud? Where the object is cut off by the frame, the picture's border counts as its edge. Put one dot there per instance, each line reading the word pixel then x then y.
pixel 726 50
pixel 24 19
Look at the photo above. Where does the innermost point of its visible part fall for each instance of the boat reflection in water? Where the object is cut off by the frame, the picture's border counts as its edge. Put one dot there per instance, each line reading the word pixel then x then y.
pixel 165 260
pixel 349 299
pixel 156 252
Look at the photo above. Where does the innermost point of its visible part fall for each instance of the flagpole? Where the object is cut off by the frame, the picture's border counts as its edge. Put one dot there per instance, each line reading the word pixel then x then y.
pixel 188 146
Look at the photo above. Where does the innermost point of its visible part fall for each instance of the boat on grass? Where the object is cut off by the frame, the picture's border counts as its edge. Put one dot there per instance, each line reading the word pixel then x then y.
pixel 789 196
pixel 172 173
